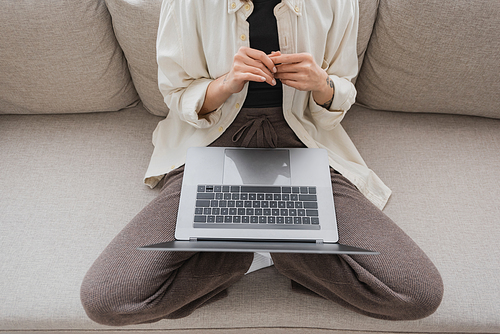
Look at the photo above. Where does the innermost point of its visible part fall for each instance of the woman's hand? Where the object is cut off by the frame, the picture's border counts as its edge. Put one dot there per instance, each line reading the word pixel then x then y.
pixel 301 72
pixel 249 65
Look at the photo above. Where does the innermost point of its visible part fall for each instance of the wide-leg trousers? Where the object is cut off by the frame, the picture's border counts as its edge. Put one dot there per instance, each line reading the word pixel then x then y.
pixel 129 286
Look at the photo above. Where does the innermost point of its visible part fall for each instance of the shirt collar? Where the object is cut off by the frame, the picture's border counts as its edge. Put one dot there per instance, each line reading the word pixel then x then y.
pixel 294 5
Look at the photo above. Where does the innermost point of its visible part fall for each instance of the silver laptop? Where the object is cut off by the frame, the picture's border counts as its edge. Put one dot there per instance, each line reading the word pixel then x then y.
pixel 257 200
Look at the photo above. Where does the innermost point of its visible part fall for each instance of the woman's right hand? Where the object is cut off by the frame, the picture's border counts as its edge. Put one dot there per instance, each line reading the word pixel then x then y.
pixel 249 65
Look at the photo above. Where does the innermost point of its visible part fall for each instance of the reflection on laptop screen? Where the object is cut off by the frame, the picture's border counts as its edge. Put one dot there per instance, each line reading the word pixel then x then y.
pixel 268 167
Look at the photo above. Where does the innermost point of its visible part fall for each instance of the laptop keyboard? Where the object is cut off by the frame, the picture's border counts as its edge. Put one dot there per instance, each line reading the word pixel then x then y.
pixel 274 207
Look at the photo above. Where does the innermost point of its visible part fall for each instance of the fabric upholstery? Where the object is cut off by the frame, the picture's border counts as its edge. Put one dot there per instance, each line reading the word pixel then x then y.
pixel 60 57
pixel 70 183
pixel 367 16
pixel 136 23
pixel 434 56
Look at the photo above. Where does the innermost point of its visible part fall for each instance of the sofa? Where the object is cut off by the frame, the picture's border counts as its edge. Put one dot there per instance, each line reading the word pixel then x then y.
pixel 79 102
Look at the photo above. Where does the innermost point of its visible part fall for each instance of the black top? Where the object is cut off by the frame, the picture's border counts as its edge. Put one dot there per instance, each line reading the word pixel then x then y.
pixel 264 37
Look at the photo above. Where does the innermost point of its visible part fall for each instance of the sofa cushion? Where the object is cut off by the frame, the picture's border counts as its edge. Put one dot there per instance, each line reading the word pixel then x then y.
pixel 136 24
pixel 61 57
pixel 434 56
pixel 367 16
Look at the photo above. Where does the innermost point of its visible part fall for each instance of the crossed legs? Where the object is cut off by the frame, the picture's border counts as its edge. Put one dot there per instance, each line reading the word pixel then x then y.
pixel 128 286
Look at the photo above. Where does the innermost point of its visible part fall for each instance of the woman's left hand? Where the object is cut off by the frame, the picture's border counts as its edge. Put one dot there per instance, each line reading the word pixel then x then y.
pixel 300 71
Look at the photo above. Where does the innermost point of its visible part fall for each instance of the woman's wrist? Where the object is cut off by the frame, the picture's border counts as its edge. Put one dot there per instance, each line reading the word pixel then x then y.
pixel 326 92
pixel 215 96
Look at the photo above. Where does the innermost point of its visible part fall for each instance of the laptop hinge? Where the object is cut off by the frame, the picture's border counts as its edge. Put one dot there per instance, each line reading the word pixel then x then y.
pixel 193 239
pixel 319 241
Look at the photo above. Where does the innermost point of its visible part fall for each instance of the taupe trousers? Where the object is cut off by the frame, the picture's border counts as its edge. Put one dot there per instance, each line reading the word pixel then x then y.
pixel 128 286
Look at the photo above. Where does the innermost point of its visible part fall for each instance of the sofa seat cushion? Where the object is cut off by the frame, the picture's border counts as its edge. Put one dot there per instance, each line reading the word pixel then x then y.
pixel 61 57
pixel 434 56
pixel 70 183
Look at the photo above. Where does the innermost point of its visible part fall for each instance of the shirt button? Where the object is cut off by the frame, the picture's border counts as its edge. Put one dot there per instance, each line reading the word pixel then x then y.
pixel 247 7
pixel 237 106
pixel 172 167
pixel 221 129
pixel 297 9
pixel 233 5
pixel 243 37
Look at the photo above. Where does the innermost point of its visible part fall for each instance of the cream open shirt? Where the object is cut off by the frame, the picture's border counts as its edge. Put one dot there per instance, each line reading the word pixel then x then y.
pixel 196 43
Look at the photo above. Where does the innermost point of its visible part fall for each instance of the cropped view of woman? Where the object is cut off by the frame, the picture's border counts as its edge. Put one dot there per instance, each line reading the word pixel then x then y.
pixel 261 73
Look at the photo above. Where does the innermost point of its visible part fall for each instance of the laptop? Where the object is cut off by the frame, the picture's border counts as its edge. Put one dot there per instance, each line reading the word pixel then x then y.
pixel 257 200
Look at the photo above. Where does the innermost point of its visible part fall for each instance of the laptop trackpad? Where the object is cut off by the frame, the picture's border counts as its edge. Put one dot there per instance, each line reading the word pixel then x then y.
pixel 256 166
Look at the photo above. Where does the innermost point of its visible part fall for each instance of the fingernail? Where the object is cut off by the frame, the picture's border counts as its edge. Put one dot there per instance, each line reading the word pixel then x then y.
pixel 274 69
pixel 274 82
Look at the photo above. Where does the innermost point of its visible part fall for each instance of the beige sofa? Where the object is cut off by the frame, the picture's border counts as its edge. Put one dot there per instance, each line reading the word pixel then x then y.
pixel 79 102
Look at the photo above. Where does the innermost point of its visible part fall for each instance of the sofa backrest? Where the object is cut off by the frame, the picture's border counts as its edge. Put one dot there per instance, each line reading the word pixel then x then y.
pixel 420 56
pixel 436 56
pixel 61 56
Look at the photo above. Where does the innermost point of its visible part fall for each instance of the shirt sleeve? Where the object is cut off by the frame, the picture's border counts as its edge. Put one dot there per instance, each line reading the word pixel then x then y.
pixel 183 87
pixel 341 64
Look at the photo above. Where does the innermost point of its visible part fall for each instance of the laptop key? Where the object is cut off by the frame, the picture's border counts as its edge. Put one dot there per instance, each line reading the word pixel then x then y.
pixel 307 198
pixel 205 196
pixel 200 219
pixel 258 226
pixel 202 203
pixel 310 205
pixel 312 213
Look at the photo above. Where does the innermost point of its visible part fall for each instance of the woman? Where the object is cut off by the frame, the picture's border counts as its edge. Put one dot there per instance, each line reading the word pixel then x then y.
pixel 266 73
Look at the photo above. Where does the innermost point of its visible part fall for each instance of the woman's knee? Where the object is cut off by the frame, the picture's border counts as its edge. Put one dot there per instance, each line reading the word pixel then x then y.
pixel 116 301
pixel 403 295
pixel 419 303
pixel 103 305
